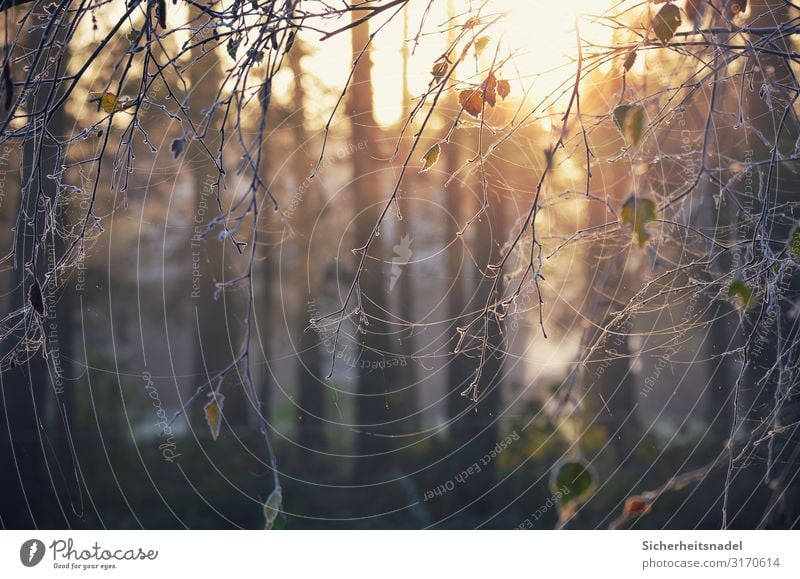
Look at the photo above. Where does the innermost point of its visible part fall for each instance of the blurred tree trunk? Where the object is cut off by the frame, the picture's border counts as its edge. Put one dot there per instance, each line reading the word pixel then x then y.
pixel 23 387
pixel 64 367
pixel 717 218
pixel 404 400
pixel 32 394
pixel 605 377
pixel 459 366
pixel 481 422
pixel 765 115
pixel 375 384
pixel 217 336
pixel 305 276
pixel 266 273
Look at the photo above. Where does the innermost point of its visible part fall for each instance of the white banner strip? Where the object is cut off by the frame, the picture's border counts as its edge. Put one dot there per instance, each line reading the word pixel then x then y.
pixel 400 554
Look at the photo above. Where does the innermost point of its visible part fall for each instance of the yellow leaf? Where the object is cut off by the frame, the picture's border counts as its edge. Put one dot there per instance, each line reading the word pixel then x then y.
pixel 272 507
pixel 481 43
pixel 471 101
pixel 109 101
pixel 213 411
pixel 430 158
pixel 636 213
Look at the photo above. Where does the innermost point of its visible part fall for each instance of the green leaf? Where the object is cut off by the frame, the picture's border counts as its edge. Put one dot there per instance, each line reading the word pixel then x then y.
pixel 574 480
pixel 232 47
pixel 636 212
pixel 630 122
pixel 666 22
pixel 741 293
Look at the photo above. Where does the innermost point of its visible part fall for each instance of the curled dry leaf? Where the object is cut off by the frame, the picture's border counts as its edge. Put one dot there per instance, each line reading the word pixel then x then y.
pixel 213 411
pixel 471 22
pixel 430 158
pixel 734 8
pixel 439 69
pixel 272 507
pixel 471 101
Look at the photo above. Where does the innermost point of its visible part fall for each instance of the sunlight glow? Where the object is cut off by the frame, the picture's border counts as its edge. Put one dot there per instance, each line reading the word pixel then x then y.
pixel 539 33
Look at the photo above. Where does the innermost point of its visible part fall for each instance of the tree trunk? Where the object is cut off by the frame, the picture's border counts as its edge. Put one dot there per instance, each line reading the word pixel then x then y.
pixel 217 336
pixel 305 278
pixel 375 384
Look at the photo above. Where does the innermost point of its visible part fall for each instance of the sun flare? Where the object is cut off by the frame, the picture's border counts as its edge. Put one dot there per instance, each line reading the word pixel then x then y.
pixel 536 38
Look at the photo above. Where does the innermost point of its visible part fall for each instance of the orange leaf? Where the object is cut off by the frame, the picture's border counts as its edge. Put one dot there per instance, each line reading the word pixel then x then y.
pixel 471 22
pixel 503 89
pixel 213 412
pixel 490 90
pixel 471 101
pixel 637 506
